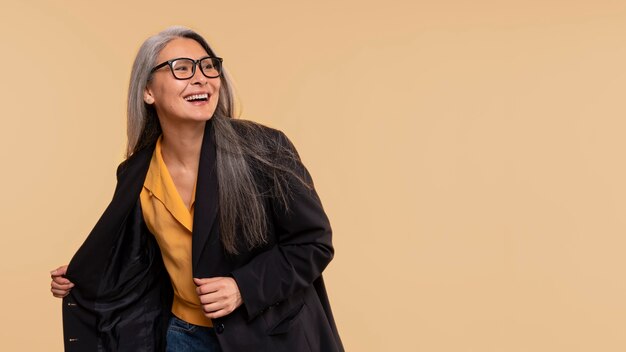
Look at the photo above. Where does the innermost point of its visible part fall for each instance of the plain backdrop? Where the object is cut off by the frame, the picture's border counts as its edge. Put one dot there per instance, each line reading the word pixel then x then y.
pixel 470 155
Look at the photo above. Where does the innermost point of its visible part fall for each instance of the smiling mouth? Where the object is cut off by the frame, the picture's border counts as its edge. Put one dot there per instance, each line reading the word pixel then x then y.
pixel 198 97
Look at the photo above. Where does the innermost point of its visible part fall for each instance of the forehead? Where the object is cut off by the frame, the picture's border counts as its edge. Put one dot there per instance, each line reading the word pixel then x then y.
pixel 182 47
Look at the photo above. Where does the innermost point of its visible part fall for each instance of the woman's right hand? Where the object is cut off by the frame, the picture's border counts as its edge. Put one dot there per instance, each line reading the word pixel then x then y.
pixel 60 286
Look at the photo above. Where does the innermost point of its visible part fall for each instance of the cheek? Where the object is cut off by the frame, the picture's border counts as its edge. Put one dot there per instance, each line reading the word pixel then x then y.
pixel 161 94
pixel 217 84
pixel 215 98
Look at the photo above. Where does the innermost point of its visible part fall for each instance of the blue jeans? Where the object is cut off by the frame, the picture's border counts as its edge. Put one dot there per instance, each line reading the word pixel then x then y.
pixel 185 337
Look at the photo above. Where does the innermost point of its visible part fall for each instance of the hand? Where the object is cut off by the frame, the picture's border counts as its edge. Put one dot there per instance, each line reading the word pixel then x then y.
pixel 60 286
pixel 219 296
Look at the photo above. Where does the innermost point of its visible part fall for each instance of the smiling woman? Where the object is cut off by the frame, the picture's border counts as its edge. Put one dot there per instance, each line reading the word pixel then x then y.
pixel 183 93
pixel 215 239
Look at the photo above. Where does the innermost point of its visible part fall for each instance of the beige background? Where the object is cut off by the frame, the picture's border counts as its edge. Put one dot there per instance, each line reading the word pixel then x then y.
pixel 470 155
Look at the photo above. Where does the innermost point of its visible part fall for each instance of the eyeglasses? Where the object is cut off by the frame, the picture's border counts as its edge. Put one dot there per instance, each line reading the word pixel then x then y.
pixel 185 68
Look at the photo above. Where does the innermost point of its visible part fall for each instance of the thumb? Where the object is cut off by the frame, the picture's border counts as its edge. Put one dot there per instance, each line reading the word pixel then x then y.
pixel 59 271
pixel 200 282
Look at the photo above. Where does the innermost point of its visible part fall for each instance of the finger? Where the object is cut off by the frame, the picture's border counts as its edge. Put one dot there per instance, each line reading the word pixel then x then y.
pixel 58 286
pixel 217 314
pixel 206 280
pixel 59 293
pixel 59 271
pixel 208 288
pixel 200 282
pixel 213 307
pixel 205 290
pixel 212 297
pixel 61 280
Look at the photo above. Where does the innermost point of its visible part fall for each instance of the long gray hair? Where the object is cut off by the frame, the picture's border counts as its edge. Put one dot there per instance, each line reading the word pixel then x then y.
pixel 244 152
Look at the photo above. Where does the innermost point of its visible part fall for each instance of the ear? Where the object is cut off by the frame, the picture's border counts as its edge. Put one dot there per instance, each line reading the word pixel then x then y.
pixel 147 96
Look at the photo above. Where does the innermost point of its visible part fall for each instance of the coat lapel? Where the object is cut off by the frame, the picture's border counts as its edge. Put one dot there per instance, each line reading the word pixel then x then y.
pixel 88 264
pixel 206 202
pixel 131 176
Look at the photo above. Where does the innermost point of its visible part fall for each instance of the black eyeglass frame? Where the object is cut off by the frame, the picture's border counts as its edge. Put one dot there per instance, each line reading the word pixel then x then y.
pixel 193 68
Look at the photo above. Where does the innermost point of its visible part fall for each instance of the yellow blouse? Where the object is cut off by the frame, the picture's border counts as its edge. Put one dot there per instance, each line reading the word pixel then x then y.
pixel 171 222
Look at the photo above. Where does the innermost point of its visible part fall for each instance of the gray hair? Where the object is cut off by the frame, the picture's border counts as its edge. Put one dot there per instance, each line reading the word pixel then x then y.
pixel 245 150
pixel 143 127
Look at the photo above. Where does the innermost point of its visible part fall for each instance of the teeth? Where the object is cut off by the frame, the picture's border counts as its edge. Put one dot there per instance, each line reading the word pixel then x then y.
pixel 197 97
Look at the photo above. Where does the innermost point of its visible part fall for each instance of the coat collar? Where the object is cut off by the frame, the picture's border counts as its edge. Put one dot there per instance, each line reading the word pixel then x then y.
pixel 133 174
pixel 206 203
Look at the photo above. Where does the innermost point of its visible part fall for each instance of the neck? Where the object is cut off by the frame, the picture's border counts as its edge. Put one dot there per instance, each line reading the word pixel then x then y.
pixel 181 145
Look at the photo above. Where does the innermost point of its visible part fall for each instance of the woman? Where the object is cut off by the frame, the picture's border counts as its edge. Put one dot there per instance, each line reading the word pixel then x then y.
pixel 215 239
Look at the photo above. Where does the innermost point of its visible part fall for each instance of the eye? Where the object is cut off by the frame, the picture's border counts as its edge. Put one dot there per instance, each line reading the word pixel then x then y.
pixel 182 65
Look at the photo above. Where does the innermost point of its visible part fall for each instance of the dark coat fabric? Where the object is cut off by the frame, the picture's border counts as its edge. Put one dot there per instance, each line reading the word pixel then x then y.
pixel 122 296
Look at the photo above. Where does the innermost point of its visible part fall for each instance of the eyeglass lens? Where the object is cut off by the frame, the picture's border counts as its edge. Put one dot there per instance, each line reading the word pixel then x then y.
pixel 184 68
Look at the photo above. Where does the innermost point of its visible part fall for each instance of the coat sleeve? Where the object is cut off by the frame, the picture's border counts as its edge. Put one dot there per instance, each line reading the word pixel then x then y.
pixel 302 250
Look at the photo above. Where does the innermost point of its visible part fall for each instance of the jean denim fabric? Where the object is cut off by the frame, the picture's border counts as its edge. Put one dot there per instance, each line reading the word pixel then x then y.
pixel 185 337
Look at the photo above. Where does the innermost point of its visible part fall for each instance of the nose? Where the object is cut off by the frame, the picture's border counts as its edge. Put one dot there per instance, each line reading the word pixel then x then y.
pixel 198 77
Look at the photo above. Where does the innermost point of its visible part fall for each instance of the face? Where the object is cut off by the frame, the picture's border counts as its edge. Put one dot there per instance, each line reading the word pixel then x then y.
pixel 176 100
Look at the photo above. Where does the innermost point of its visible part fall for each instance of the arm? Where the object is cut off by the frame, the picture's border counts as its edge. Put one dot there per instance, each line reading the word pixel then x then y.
pixel 60 286
pixel 302 250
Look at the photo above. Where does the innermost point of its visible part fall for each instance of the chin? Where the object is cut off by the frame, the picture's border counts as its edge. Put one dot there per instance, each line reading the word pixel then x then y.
pixel 203 118
pixel 201 115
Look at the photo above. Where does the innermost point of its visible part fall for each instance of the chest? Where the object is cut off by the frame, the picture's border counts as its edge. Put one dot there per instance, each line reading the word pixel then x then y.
pixel 185 182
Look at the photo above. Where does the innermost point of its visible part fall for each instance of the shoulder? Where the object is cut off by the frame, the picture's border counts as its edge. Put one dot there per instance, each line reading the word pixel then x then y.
pixel 136 160
pixel 247 128
pixel 258 134
pixel 269 150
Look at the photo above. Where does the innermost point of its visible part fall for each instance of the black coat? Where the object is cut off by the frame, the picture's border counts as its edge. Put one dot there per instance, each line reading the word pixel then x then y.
pixel 122 295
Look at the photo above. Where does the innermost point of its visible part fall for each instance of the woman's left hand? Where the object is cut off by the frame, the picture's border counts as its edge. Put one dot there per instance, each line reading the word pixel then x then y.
pixel 219 296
